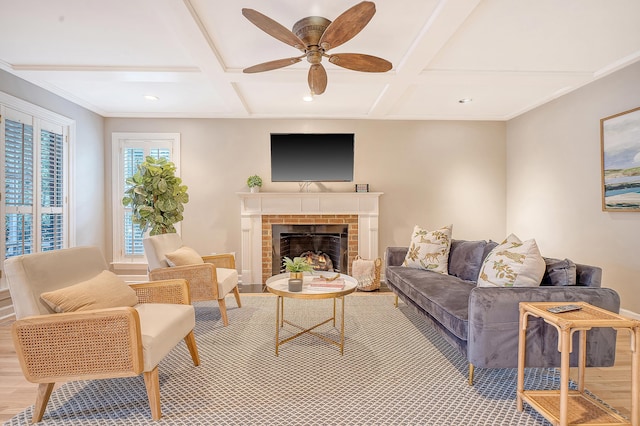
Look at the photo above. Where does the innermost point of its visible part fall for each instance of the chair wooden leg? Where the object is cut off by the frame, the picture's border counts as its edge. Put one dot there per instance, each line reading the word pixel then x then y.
pixel 42 398
pixel 236 293
pixel 152 382
pixel 190 340
pixel 223 311
pixel 471 370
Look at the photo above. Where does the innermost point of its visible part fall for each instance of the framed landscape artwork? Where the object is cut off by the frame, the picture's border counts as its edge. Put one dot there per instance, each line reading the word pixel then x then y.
pixel 620 140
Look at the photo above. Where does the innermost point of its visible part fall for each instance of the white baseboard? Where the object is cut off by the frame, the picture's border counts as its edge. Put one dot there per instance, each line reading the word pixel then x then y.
pixel 629 314
pixel 7 312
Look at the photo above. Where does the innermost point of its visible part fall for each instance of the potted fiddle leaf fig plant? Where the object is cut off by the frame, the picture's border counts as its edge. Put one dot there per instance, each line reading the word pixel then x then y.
pixel 156 196
pixel 254 183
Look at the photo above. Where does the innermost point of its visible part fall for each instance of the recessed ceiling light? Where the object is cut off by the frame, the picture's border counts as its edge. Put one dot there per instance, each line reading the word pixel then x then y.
pixel 307 98
pixel 151 97
pixel 465 100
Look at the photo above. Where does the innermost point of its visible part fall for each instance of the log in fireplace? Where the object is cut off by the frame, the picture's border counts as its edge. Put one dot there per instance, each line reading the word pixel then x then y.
pixel 324 246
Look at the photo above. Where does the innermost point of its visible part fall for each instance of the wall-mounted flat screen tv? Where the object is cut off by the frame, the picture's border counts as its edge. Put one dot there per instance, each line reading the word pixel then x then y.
pixel 312 157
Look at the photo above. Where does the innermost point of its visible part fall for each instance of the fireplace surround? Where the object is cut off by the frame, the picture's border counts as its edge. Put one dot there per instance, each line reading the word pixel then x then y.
pixel 259 211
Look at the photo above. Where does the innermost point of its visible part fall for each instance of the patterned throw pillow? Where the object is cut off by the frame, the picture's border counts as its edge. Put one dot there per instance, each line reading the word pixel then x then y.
pixel 513 263
pixel 429 249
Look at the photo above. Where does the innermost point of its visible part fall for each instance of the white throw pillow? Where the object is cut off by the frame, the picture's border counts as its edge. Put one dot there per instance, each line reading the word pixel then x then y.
pixel 184 256
pixel 429 249
pixel 513 263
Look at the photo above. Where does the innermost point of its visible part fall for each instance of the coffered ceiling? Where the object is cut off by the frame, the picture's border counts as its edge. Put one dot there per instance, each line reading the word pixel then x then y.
pixel 509 56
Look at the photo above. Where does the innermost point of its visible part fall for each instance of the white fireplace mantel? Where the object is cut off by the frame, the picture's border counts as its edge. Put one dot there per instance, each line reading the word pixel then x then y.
pixel 254 205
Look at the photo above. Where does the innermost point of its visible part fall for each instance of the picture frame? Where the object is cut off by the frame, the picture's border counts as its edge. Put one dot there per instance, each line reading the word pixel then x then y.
pixel 620 155
pixel 362 187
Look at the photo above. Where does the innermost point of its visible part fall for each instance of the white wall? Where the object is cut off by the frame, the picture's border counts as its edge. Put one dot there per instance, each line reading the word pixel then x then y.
pixel 432 173
pixel 88 161
pixel 554 183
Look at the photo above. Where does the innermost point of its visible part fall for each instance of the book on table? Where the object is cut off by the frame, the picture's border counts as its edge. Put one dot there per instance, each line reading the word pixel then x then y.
pixel 328 283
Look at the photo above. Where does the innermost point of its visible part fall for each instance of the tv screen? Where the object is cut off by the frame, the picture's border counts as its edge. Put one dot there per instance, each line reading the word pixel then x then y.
pixel 312 157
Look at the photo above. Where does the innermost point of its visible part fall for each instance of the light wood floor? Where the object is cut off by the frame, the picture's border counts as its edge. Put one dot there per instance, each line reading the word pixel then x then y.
pixel 612 384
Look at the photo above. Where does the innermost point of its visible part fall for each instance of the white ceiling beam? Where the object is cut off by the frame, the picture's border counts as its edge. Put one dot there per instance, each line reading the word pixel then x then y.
pixel 181 18
pixel 446 19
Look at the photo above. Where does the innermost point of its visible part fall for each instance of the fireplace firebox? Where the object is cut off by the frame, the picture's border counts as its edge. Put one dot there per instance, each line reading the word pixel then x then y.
pixel 324 246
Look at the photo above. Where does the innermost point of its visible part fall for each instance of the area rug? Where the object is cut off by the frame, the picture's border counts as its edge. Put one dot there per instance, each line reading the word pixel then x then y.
pixel 395 371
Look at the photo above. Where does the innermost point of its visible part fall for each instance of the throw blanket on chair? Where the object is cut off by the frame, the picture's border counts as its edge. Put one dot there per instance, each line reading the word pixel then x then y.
pixel 364 271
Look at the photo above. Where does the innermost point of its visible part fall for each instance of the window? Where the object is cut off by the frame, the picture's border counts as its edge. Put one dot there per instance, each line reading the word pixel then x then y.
pixel 129 150
pixel 34 178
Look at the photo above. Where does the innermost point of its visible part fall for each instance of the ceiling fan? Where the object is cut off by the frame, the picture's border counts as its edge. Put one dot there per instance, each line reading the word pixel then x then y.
pixel 314 36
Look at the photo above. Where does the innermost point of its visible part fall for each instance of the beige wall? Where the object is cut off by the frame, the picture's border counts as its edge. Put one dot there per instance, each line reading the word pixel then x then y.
pixel 554 182
pixel 432 173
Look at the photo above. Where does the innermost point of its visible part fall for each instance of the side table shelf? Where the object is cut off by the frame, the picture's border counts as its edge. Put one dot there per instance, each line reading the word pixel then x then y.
pixel 565 407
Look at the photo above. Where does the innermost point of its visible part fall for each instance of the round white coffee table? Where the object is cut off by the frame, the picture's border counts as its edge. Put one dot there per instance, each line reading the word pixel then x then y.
pixel 279 285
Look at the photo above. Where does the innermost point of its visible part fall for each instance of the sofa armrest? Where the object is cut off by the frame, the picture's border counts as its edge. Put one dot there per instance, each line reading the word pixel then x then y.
pixel 79 345
pixel 394 256
pixel 588 276
pixel 202 278
pixel 494 318
pixel 166 291
pixel 223 260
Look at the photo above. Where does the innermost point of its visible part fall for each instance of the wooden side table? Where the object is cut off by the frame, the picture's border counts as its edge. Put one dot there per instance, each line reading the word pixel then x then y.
pixel 563 407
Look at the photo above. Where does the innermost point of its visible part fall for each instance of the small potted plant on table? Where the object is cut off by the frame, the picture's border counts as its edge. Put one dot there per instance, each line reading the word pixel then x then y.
pixel 296 268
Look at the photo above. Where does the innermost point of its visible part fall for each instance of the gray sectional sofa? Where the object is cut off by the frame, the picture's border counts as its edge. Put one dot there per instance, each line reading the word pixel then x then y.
pixel 482 322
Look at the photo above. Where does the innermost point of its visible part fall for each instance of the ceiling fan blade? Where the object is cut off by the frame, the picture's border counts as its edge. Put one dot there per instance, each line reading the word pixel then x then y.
pixel 360 62
pixel 347 25
pixel 271 65
pixel 273 28
pixel 317 79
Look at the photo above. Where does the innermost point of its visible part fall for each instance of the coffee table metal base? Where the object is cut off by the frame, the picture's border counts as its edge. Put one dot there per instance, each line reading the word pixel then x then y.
pixel 280 322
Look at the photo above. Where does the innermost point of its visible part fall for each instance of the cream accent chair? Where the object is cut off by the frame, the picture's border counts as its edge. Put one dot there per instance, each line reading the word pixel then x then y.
pixel 212 280
pixel 93 344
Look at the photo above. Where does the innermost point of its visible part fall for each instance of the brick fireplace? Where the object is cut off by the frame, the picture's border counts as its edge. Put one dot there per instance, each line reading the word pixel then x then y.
pixel 260 211
pixel 267 237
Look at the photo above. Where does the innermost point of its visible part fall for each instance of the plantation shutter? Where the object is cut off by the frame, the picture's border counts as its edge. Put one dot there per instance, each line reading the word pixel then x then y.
pixel 19 186
pixel 51 188
pixel 33 153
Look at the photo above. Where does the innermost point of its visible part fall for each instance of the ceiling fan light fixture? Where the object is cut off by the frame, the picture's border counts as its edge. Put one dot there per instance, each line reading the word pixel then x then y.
pixel 313 36
pixel 308 98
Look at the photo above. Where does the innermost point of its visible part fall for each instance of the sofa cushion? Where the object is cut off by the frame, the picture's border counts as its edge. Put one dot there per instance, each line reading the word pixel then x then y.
pixel 429 249
pixel 559 272
pixel 227 279
pixel 487 249
pixel 444 297
pixel 106 290
pixel 184 256
pixel 162 326
pixel 513 263
pixel 31 275
pixel 465 259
